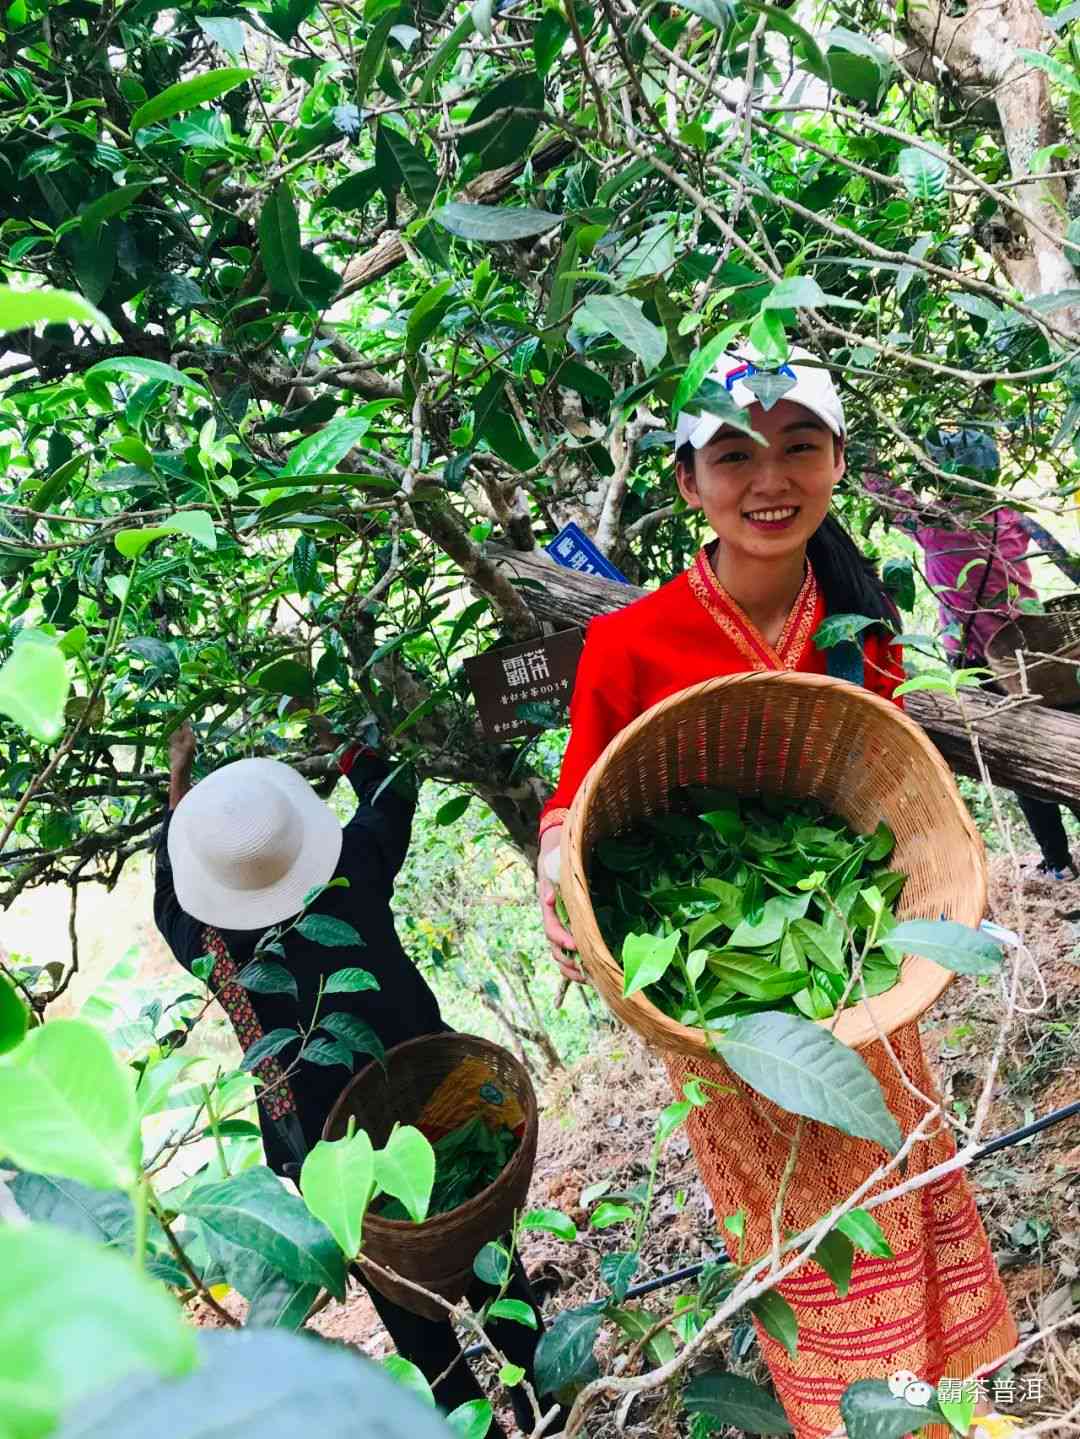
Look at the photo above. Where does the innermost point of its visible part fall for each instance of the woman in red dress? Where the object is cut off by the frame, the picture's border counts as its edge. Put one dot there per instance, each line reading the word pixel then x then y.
pixel 753 600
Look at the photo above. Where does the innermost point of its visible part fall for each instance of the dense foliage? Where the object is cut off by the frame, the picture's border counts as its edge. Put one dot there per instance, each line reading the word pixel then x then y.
pixel 385 286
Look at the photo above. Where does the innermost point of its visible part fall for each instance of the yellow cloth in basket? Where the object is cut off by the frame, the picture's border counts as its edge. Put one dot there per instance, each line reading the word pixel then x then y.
pixel 472 1088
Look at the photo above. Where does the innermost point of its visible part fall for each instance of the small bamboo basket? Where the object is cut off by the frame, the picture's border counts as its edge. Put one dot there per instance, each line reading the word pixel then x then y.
pixel 439 1253
pixel 800 736
pixel 1057 633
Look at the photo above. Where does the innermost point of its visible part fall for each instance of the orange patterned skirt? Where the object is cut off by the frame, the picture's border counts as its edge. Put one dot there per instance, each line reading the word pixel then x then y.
pixel 937 1308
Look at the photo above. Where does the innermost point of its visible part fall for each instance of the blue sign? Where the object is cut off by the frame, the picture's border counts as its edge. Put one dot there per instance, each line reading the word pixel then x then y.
pixel 575 551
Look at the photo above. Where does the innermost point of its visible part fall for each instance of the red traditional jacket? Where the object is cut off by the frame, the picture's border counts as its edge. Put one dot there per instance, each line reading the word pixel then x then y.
pixel 687 631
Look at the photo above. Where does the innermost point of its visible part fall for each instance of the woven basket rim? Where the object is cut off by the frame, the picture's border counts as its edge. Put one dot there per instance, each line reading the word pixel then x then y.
pixel 452 1218
pixel 687 1039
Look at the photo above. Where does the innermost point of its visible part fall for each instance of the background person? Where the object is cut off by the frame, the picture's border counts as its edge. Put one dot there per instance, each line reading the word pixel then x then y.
pixel 236 855
pixel 975 562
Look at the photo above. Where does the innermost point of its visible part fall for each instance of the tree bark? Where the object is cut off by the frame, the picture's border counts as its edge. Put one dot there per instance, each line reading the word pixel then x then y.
pixel 979 50
pixel 1036 751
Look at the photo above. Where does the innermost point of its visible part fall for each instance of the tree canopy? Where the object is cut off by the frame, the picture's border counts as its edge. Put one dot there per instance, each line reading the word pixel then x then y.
pixel 384 292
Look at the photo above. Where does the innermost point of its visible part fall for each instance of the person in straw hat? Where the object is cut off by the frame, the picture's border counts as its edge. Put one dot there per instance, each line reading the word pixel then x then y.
pixel 752 601
pixel 238 855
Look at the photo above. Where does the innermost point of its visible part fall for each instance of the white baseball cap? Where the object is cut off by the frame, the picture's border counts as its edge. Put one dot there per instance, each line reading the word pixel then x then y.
pixel 813 389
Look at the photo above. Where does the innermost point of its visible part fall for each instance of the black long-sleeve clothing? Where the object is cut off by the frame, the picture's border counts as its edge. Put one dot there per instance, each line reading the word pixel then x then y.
pixel 374 844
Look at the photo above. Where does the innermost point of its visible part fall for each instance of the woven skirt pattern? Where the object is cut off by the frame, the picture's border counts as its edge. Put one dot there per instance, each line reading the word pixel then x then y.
pixel 937 1308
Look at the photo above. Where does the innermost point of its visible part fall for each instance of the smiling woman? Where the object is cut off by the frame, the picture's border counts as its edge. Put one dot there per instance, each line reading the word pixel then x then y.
pixel 929 1299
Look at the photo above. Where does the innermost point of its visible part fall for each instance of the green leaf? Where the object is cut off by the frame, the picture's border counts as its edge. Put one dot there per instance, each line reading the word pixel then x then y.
pixel 923 173
pixel 124 365
pixel 736 1403
pixel 565 1351
pixel 899 579
pixel 264 1382
pixel 280 1303
pixel 354 1033
pixel 453 809
pixel 803 292
pixel 112 203
pixel 371 61
pixel 405 1169
pixel 104 1215
pixel 421 180
pixel 549 37
pixel 426 315
pixel 285 677
pixel 470 1420
pixel 352 193
pixel 67 1107
pixel 34 685
pixel 320 454
pixel 75 1317
pixel 865 1233
pixel 835 1254
pixel 492 1265
pixel 515 106
pixel 671 1119
pixel 494 223
pixel 187 95
pixel 777 1318
pixel 959 1412
pixel 807 1071
pixel 551 1221
pixel 19 309
pixel 14 1017
pixel 327 929
pixel 952 945
pixel 350 981
pixel 279 243
pixel 337 1180
pixel 617 1271
pixel 229 34
pixel 515 1309
pixel 263 976
pixel 330 1053
pixel 607 1213
pixel 625 320
pixel 841 629
pixel 646 958
pixel 755 977
pixel 782 21
pixel 701 364
pixel 304 564
pixel 869 1410
pixel 511 1375
pixel 406 1373
pixel 194 524
pixel 269 1044
pixel 1061 74
pixel 253 1210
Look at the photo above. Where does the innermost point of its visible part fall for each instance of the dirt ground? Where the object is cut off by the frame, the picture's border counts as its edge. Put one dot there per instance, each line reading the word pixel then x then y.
pixel 598 1123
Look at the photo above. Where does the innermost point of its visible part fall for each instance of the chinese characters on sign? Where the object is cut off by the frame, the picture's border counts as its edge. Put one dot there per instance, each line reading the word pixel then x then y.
pixel 575 551
pixel 1000 1392
pixel 538 672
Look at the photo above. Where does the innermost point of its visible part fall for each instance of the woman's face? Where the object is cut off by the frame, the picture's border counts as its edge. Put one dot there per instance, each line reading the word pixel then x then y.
pixel 766 500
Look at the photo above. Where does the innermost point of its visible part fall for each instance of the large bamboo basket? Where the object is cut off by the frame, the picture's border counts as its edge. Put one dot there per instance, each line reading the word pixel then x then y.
pixel 439 1253
pixel 798 735
pixel 1057 632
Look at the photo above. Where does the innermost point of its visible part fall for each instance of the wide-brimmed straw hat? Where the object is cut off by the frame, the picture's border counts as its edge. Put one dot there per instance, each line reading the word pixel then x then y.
pixel 248 842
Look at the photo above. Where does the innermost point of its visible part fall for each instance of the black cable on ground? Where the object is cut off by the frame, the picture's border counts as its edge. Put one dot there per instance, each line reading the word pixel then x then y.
pixel 693 1271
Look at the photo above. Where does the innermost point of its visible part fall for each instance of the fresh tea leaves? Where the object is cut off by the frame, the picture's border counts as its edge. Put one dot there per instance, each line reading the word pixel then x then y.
pixel 727 906
pixel 467 1160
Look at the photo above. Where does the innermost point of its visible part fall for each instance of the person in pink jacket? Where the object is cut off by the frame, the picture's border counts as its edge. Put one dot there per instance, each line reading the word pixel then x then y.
pixel 977 566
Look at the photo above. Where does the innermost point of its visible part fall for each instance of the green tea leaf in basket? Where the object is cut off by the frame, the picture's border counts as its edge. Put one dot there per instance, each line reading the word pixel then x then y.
pixel 952 945
pixel 645 959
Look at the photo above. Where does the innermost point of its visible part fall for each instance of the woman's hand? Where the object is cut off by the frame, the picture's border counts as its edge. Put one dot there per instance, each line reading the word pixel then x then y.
pixel 181 758
pixel 547 878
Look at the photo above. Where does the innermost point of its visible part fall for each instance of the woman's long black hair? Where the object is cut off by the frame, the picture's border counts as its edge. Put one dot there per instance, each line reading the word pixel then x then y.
pixel 848 580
